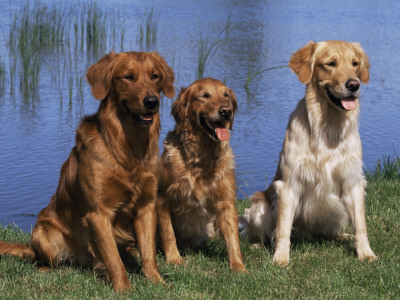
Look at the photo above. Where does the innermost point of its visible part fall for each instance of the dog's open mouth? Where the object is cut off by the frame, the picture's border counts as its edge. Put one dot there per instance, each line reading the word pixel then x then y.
pixel 143 119
pixel 216 130
pixel 348 103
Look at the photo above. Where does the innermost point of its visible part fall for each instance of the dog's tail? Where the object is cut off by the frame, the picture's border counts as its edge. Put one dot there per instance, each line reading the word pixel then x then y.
pixel 23 251
pixel 256 223
pixel 244 222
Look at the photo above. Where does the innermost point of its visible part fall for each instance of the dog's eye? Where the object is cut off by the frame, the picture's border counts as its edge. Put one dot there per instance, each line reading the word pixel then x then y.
pixel 205 95
pixel 332 63
pixel 154 76
pixel 129 77
pixel 226 95
pixel 355 63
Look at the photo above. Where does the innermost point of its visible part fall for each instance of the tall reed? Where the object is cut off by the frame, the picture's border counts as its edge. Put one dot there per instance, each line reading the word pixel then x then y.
pixel 207 49
pixel 34 31
pixel 55 37
pixel 95 28
pixel 252 73
pixel 148 31
pixel 2 76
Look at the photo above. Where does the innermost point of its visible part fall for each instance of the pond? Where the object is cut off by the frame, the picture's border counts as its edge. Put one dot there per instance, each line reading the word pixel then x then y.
pixel 43 94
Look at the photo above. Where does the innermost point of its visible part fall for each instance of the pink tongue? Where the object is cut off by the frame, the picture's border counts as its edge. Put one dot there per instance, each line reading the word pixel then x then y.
pixel 348 104
pixel 222 133
pixel 147 117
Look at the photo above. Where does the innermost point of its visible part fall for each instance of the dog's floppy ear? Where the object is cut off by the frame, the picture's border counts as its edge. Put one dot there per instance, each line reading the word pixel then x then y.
pixel 99 76
pixel 167 75
pixel 180 104
pixel 234 104
pixel 364 64
pixel 301 62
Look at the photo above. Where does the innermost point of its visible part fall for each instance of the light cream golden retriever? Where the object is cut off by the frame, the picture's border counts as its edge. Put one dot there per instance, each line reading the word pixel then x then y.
pixel 196 173
pixel 319 180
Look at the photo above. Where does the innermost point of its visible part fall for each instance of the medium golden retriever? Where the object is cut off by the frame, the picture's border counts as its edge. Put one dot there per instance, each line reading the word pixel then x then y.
pixel 319 180
pixel 196 192
pixel 107 190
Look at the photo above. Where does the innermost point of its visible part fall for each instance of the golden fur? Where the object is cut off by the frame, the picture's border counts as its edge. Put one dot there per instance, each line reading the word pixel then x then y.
pixel 319 180
pixel 106 195
pixel 196 173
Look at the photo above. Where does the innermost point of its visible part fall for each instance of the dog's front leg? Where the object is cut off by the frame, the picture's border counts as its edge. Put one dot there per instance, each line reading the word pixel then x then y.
pixel 105 248
pixel 228 223
pixel 356 206
pixel 145 225
pixel 227 220
pixel 286 208
pixel 145 230
pixel 167 233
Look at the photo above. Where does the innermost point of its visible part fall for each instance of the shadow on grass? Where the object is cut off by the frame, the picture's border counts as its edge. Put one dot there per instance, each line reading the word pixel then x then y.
pixel 345 242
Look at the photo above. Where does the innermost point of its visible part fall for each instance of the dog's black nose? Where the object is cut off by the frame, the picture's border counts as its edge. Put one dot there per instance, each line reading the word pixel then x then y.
pixel 225 112
pixel 150 102
pixel 352 85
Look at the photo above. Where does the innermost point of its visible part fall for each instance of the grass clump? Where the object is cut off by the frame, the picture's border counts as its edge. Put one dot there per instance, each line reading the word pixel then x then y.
pixel 386 168
pixel 321 269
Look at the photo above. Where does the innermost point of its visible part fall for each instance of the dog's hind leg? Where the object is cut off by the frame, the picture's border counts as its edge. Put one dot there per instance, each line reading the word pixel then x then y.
pixel 49 243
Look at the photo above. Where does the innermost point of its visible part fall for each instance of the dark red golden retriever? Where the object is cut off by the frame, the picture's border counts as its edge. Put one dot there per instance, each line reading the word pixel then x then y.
pixel 106 195
pixel 196 173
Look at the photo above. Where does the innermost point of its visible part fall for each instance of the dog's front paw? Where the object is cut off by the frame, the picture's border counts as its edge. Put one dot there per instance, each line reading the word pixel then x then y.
pixel 281 258
pixel 153 275
pixel 238 267
pixel 122 286
pixel 344 237
pixel 368 256
pixel 281 255
pixel 364 251
pixel 176 260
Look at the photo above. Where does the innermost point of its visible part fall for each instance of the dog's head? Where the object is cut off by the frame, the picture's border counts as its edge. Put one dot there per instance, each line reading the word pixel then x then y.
pixel 206 105
pixel 336 68
pixel 134 80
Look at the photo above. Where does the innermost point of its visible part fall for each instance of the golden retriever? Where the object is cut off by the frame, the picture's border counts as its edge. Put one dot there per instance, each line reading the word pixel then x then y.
pixel 107 190
pixel 196 192
pixel 319 180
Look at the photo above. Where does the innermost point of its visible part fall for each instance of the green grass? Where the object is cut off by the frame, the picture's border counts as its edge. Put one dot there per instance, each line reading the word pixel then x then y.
pixel 317 270
pixel 385 168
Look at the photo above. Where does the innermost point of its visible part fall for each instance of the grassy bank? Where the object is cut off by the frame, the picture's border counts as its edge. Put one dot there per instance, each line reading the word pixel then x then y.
pixel 318 270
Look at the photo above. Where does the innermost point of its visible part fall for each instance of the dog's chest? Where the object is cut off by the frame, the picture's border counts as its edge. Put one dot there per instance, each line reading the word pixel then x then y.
pixel 201 189
pixel 332 168
pixel 194 191
pixel 126 186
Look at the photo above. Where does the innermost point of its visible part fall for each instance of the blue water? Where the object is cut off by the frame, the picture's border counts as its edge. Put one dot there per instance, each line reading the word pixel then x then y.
pixel 37 133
